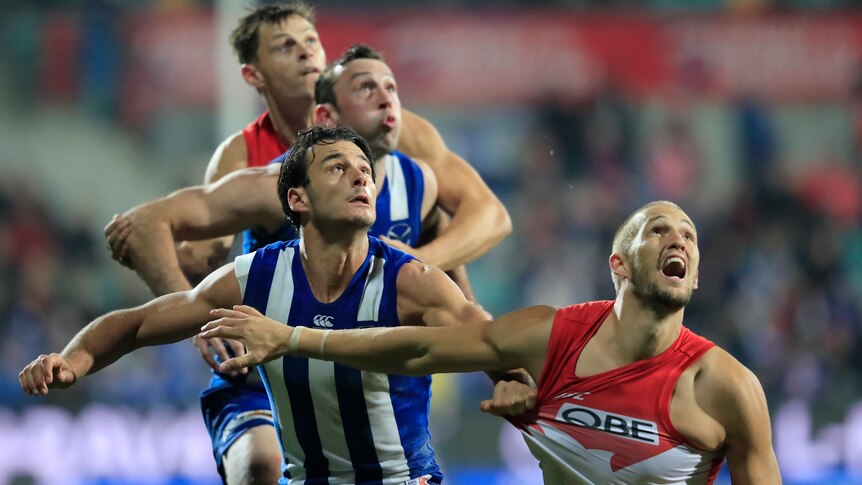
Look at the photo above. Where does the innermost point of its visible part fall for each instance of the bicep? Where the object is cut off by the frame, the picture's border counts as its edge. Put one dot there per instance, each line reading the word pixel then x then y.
pixel 230 156
pixel 179 315
pixel 515 340
pixel 234 203
pixel 745 418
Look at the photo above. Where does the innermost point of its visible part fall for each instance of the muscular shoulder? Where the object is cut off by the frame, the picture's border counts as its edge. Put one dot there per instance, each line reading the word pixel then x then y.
pixel 230 156
pixel 421 140
pixel 426 296
pixel 422 281
pixel 728 391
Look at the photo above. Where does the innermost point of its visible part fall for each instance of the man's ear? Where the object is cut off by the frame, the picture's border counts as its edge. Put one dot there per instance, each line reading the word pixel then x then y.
pixel 326 115
pixel 297 199
pixel 618 266
pixel 252 76
pixel 696 278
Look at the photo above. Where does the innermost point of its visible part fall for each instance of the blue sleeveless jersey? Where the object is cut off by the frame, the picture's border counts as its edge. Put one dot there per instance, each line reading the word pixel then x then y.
pixel 399 207
pixel 336 424
pixel 399 216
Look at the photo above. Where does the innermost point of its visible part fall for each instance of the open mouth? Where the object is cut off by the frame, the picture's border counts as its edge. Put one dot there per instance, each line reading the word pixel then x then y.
pixel 389 122
pixel 309 70
pixel 674 267
pixel 361 199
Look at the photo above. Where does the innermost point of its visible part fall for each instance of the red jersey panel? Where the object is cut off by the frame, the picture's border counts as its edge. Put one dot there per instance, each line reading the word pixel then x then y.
pixel 613 427
pixel 262 143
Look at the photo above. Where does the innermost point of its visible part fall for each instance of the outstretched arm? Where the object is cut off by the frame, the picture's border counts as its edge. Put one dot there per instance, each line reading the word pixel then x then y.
pixel 167 319
pixel 518 339
pixel 426 298
pixel 243 199
pixel 479 219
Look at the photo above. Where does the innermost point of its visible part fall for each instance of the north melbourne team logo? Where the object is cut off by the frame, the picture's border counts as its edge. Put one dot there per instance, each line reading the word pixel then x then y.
pixel 324 321
pixel 400 232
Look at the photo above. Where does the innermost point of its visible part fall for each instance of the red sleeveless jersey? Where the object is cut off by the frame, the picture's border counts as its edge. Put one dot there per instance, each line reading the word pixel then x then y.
pixel 262 143
pixel 613 427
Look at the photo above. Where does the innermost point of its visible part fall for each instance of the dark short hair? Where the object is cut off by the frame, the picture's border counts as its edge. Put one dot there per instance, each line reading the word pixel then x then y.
pixel 324 88
pixel 245 37
pixel 294 168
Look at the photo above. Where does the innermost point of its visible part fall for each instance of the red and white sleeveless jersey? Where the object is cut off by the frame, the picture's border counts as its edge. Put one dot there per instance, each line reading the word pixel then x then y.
pixel 613 427
pixel 262 143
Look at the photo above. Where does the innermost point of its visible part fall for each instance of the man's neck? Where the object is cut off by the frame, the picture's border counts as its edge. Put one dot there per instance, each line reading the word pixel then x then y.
pixel 637 332
pixel 330 259
pixel 380 171
pixel 289 115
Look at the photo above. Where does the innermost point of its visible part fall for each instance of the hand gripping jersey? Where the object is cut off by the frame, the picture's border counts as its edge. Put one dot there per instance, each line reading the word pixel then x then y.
pixel 399 206
pixel 613 427
pixel 339 425
pixel 262 143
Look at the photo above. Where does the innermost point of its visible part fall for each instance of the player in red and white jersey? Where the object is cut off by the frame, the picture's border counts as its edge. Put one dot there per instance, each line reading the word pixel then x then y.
pixel 626 394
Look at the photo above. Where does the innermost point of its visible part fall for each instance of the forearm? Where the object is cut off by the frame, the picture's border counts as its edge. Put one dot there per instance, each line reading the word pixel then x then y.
pixel 154 257
pixel 388 350
pixel 412 351
pixel 101 343
pixel 477 226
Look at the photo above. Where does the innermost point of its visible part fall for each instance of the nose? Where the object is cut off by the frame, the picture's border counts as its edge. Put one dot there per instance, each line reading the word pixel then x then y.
pixel 360 178
pixel 305 51
pixel 677 241
pixel 385 98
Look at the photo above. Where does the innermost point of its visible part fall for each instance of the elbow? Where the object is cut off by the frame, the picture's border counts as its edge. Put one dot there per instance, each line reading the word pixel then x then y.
pixel 502 222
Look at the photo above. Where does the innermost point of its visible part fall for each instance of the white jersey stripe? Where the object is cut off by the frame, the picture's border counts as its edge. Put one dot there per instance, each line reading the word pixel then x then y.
pixel 325 404
pixel 241 267
pixel 381 415
pixel 398 206
pixel 369 305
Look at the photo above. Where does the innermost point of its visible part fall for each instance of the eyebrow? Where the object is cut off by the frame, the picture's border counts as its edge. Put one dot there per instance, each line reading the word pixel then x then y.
pixel 279 36
pixel 338 154
pixel 369 73
pixel 656 218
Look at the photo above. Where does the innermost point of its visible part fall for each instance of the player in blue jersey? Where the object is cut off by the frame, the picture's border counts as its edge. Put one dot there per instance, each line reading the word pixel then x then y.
pixel 357 90
pixel 337 425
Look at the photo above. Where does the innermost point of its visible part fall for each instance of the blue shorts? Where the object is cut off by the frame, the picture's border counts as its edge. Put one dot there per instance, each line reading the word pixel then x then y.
pixel 229 411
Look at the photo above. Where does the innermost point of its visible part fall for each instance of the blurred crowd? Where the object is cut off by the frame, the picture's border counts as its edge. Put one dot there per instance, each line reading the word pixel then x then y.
pixel 54 278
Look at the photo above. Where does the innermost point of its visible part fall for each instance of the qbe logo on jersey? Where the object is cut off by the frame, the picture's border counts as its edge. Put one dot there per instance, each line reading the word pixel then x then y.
pixel 627 427
pixel 324 321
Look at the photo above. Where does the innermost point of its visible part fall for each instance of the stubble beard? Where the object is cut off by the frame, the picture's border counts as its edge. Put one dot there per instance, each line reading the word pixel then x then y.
pixel 651 295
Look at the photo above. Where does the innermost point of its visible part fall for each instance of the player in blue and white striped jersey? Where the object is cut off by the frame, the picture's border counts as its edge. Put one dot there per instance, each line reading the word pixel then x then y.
pixel 336 425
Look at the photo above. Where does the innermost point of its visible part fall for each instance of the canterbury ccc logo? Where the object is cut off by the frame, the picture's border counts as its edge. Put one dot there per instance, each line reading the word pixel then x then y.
pixel 323 321
pixel 616 424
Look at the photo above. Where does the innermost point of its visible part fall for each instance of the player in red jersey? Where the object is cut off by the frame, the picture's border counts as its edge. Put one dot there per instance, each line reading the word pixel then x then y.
pixel 281 56
pixel 626 393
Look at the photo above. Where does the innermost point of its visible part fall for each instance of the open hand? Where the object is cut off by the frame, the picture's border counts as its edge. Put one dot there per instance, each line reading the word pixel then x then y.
pixel 264 338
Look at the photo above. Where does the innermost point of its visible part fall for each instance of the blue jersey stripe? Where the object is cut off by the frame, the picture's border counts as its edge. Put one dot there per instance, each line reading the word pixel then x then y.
pixel 296 381
pixel 411 399
pixel 357 428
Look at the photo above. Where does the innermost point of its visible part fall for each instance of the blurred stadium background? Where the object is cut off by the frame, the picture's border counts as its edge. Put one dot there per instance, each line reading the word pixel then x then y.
pixel 746 112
